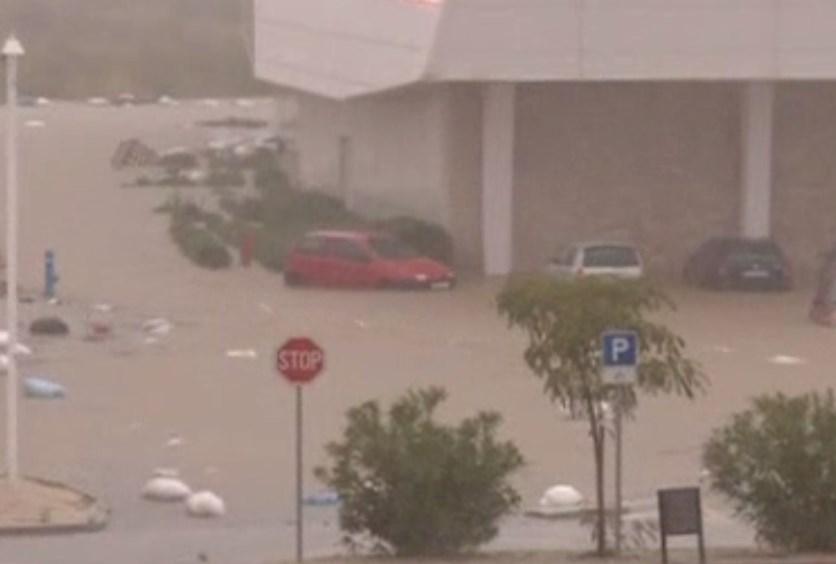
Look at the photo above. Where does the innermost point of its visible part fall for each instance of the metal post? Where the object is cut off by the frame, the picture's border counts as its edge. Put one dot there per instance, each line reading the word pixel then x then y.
pixel 12 470
pixel 299 529
pixel 618 467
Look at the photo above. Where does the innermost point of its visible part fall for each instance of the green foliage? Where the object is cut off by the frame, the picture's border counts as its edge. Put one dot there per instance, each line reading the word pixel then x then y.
pixel 777 463
pixel 427 238
pixel 197 242
pixel 564 322
pixel 417 487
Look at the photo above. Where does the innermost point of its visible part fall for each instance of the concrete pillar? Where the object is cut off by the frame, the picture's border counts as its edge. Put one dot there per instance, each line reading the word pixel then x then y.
pixel 497 177
pixel 756 162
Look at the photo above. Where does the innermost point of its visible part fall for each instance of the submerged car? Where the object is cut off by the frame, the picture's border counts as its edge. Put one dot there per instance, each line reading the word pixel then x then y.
pixel 823 308
pixel 738 263
pixel 362 259
pixel 617 260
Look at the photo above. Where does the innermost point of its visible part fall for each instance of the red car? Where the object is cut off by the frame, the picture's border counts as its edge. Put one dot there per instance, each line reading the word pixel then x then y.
pixel 362 259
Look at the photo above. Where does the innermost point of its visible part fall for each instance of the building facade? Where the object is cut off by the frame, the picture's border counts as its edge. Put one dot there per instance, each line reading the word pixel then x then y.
pixel 525 125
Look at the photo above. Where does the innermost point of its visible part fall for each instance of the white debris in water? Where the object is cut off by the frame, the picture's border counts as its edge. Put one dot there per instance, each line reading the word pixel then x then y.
pixel 103 308
pixel 361 324
pixel 242 353
pixel 164 488
pixel 205 504
pixel 561 495
pixel 34 123
pixel 174 441
pixel 722 349
pixel 158 326
pixel 266 308
pixel 41 388
pixel 22 350
pixel 166 472
pixel 786 360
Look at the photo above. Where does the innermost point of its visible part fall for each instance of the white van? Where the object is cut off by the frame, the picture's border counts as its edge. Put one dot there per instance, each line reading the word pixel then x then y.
pixel 619 260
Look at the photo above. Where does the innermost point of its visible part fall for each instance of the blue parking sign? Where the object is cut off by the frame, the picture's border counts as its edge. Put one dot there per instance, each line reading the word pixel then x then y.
pixel 620 356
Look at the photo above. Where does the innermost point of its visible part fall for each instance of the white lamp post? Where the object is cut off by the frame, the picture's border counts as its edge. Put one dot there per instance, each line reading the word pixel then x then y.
pixel 12 50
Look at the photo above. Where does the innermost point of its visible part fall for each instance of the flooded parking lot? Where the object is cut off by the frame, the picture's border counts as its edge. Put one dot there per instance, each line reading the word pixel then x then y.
pixel 129 396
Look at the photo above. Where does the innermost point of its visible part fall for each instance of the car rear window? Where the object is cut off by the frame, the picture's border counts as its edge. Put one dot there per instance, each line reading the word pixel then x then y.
pixel 610 256
pixel 756 250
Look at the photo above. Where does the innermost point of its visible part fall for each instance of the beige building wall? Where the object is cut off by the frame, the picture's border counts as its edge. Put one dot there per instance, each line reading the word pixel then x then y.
pixel 804 193
pixel 384 154
pixel 652 164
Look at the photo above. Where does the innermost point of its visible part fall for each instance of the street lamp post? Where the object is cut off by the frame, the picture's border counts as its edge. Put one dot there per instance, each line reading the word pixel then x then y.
pixel 12 50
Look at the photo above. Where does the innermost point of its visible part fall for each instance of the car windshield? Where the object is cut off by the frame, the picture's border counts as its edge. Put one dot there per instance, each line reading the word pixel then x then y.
pixel 610 256
pixel 391 248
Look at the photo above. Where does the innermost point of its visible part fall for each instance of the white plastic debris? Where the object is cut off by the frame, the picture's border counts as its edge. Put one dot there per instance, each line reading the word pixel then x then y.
pixel 561 496
pixel 205 504
pixel 41 388
pixel 242 353
pixel 158 326
pixel 34 123
pixel 22 350
pixel 174 441
pixel 163 488
pixel 786 360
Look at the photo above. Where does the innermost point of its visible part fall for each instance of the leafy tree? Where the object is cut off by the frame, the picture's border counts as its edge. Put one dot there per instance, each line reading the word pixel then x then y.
pixel 564 321
pixel 777 462
pixel 417 487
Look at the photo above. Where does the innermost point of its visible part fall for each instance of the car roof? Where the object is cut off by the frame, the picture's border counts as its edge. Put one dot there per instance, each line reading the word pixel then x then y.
pixel 354 235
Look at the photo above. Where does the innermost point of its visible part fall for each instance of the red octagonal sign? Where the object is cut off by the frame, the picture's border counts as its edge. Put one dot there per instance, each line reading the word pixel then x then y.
pixel 300 360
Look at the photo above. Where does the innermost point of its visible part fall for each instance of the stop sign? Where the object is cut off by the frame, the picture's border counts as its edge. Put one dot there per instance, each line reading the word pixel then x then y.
pixel 300 360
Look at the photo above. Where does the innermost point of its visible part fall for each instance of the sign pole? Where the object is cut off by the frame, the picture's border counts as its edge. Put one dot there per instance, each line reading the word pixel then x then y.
pixel 299 360
pixel 299 477
pixel 618 467
pixel 620 351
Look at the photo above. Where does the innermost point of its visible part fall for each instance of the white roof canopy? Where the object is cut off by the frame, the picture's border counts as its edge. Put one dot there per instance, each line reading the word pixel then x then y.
pixel 344 48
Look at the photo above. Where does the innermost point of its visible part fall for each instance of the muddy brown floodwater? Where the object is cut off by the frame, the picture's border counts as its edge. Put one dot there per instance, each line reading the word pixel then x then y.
pixel 231 418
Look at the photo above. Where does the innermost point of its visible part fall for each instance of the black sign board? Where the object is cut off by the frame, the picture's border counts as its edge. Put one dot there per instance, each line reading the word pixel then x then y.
pixel 680 513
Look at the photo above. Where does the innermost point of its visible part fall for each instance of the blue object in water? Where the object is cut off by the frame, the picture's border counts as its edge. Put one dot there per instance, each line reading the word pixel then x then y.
pixel 50 275
pixel 322 499
pixel 41 388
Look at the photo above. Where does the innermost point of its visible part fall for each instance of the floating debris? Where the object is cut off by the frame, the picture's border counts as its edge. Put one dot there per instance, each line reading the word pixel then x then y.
pixel 205 504
pixel 786 360
pixel 167 489
pixel 41 388
pixel 561 496
pixel 242 353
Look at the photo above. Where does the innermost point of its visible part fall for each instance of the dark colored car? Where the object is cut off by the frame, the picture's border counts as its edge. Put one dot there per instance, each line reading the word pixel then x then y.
pixel 362 259
pixel 823 309
pixel 739 263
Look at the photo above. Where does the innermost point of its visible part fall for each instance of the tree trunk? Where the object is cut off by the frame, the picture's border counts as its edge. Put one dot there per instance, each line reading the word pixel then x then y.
pixel 598 440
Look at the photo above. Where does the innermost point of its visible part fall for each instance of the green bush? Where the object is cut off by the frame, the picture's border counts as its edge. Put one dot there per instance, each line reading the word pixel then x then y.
pixel 777 463
pixel 200 245
pixel 427 238
pixel 417 487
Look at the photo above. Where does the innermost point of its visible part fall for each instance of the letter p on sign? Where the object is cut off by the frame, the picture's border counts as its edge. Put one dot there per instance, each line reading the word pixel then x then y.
pixel 620 356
